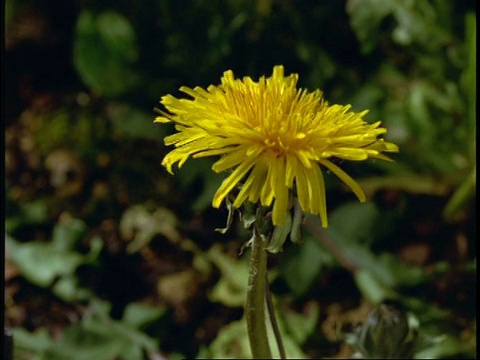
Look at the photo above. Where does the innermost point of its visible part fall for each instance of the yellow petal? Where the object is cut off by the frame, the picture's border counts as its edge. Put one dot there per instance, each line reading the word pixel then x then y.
pixel 229 183
pixel 352 184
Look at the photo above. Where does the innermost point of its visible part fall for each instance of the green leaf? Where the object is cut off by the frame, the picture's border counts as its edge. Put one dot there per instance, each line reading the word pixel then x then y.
pixel 371 287
pixel 11 9
pixel 417 23
pixel 463 195
pixel 43 262
pixel 231 289
pixel 302 263
pixel 402 274
pixel 96 337
pixel 348 235
pixel 32 213
pixel 356 222
pixel 67 235
pixel 99 337
pixel 40 263
pixel 365 18
pixel 104 51
pixel 300 326
pixel 469 77
pixel 84 344
pixel 446 347
pixel 137 314
pixel 118 35
pixel 427 313
pixel 232 342
pixel 133 122
pixel 34 343
pixel 68 289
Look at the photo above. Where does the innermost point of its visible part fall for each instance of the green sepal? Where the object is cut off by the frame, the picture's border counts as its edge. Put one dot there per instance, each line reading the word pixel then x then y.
pixel 249 214
pixel 280 234
pixel 231 212
pixel 295 233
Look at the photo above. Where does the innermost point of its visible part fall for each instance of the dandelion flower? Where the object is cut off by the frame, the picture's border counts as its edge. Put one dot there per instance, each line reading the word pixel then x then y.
pixel 272 138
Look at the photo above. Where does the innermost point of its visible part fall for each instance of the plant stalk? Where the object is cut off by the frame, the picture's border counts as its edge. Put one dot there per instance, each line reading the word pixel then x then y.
pixel 273 320
pixel 255 305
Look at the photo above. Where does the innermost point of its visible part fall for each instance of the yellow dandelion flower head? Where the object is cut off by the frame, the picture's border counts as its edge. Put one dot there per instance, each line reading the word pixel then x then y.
pixel 272 138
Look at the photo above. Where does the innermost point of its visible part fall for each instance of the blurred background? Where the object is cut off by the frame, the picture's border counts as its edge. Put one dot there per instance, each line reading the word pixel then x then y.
pixel 109 257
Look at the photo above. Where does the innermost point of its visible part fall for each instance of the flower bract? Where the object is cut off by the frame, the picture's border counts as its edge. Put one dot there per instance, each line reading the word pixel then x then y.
pixel 272 138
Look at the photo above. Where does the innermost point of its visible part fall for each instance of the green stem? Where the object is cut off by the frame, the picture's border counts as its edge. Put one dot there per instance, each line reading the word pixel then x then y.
pixel 255 306
pixel 273 320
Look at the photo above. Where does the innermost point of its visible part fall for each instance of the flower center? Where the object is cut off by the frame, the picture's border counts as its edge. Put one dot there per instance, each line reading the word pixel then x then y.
pixel 282 142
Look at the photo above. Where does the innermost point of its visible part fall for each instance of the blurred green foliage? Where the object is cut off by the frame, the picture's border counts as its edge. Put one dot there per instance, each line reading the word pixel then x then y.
pixel 97 336
pixel 412 63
